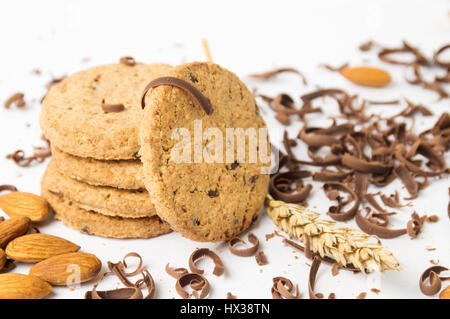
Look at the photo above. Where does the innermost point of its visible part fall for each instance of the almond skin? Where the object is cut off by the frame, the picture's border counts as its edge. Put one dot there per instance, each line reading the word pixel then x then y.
pixel 2 258
pixel 34 248
pixel 12 228
pixel 367 76
pixel 18 286
pixel 445 294
pixel 17 204
pixel 55 269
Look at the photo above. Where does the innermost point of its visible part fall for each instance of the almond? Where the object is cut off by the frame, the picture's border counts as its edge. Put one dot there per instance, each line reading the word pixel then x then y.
pixel 37 247
pixel 17 204
pixel 2 258
pixel 445 294
pixel 18 286
pixel 57 270
pixel 367 76
pixel 12 228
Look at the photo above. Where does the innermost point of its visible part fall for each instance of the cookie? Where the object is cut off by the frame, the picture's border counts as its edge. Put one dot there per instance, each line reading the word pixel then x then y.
pixel 106 200
pixel 73 119
pixel 93 223
pixel 123 174
pixel 202 201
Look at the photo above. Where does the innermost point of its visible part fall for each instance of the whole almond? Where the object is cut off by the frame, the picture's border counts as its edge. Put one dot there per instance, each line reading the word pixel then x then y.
pixel 37 247
pixel 2 258
pixel 445 294
pixel 367 76
pixel 25 204
pixel 18 286
pixel 80 267
pixel 12 228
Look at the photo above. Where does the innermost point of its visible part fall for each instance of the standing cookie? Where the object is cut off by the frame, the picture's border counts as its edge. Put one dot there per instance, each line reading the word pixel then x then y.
pixel 204 149
pixel 96 112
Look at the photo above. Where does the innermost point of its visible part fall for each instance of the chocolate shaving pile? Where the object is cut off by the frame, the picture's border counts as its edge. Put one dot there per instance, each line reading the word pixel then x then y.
pixel 17 99
pixel 39 155
pixel 362 151
pixel 435 282
pixel 132 290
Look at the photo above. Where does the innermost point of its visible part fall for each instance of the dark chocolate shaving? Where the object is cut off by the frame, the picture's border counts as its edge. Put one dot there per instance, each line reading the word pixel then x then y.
pixel 419 58
pixel 280 183
pixel 261 258
pixel 374 229
pixel 312 277
pixel 196 281
pixel 219 268
pixel 39 156
pixel 336 214
pixel 435 282
pixel 10 188
pixel 128 60
pixel 182 84
pixel 246 252
pixel 283 289
pixel 113 108
pixel 17 99
pixel 438 61
pixel 176 272
pixel 271 74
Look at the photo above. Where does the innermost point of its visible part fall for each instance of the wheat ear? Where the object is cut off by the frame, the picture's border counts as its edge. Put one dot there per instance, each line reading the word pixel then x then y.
pixel 345 245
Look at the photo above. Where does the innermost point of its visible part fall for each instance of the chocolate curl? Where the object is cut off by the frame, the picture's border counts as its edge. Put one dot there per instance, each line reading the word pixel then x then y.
pixel 312 277
pixel 247 252
pixel 16 98
pixel 374 229
pixel 419 58
pixel 282 288
pixel 196 281
pixel 351 211
pixel 317 140
pixel 176 272
pixel 280 182
pixel 121 293
pixel 10 188
pixel 219 268
pixel 438 61
pixel 138 268
pixel 182 84
pixel 435 281
pixel 273 73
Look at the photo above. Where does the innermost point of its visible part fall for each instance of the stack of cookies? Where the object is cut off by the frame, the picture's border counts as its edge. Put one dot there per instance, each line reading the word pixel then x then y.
pixel 114 130
pixel 94 181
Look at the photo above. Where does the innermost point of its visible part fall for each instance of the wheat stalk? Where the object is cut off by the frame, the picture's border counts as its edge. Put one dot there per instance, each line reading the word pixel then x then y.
pixel 346 245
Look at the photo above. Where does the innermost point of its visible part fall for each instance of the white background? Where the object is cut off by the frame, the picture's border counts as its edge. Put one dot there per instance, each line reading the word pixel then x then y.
pixel 246 37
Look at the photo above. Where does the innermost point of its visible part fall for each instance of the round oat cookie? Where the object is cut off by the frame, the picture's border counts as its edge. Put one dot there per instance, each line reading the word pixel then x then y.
pixel 123 174
pixel 93 223
pixel 201 200
pixel 73 119
pixel 101 199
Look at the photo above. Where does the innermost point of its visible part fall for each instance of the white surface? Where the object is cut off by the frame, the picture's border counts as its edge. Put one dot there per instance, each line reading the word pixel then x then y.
pixel 246 37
